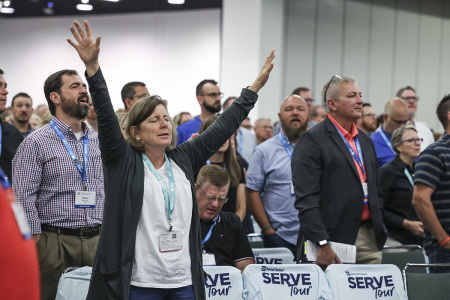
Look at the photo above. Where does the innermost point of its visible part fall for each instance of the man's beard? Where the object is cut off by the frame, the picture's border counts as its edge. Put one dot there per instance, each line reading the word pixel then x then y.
pixel 293 133
pixel 21 121
pixel 77 110
pixel 212 109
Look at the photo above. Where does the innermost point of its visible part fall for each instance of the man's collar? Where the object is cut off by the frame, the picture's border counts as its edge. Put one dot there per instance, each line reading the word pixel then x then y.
pixel 353 130
pixel 66 129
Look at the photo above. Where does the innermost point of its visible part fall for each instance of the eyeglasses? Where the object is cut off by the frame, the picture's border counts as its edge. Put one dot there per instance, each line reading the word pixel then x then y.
pixel 221 200
pixel 214 95
pixel 141 96
pixel 411 98
pixel 326 90
pixel 265 127
pixel 370 115
pixel 399 122
pixel 309 100
pixel 418 140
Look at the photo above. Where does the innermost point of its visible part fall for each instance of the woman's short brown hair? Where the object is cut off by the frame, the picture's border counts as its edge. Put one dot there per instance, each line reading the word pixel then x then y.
pixel 140 111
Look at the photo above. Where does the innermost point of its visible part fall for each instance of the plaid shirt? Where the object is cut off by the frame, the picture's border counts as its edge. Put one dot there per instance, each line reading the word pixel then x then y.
pixel 45 179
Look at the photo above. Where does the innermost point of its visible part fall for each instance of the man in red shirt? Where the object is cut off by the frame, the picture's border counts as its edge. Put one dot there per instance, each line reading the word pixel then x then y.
pixel 334 172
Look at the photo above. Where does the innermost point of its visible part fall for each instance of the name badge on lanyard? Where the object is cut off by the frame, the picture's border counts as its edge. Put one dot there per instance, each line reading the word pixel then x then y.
pixel 84 198
pixel 170 241
pixel 283 140
pixel 209 258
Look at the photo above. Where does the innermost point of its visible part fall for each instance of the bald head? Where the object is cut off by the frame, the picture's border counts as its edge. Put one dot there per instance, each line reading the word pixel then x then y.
pixel 294 116
pixel 396 115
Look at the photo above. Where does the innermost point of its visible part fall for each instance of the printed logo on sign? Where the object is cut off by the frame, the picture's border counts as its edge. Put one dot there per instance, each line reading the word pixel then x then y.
pixel 174 235
pixel 298 283
pixel 263 268
pixel 382 285
pixel 269 261
pixel 218 284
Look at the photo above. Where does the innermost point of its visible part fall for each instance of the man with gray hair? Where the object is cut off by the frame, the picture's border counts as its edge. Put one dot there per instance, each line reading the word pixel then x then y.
pixel 263 130
pixel 395 116
pixel 335 178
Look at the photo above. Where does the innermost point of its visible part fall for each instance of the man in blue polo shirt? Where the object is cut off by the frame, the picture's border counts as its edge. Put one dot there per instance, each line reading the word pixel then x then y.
pixel 431 197
pixel 270 193
pixel 208 96
pixel 396 115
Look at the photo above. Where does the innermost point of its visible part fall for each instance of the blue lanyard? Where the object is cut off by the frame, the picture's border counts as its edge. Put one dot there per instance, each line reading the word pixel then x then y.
pixel 75 160
pixel 208 235
pixel 168 198
pixel 283 140
pixel 383 135
pixel 408 175
pixel 358 157
pixel 240 142
pixel 4 180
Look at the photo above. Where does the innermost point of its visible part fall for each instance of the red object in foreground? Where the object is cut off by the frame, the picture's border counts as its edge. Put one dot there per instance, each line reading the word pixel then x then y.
pixel 19 274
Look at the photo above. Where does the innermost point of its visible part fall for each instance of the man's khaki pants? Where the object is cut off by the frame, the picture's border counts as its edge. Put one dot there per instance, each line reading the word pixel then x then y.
pixel 58 252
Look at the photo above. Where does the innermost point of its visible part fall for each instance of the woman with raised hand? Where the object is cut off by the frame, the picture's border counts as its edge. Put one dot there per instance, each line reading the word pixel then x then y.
pixel 150 242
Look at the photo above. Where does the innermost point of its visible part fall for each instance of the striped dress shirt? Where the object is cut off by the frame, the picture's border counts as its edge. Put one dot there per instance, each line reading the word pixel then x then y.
pixel 45 178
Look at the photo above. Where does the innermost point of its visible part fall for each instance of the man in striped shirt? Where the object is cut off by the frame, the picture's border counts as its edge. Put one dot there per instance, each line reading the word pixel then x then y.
pixel 431 197
pixel 58 178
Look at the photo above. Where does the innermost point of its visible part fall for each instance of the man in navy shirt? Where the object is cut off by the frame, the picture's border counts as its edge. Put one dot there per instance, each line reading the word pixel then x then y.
pixel 396 115
pixel 431 197
pixel 208 96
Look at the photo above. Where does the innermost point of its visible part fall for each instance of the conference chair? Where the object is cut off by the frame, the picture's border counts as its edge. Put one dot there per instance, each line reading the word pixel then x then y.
pixel 292 281
pixel 223 282
pixel 356 282
pixel 271 256
pixel 403 254
pixel 424 285
pixel 74 284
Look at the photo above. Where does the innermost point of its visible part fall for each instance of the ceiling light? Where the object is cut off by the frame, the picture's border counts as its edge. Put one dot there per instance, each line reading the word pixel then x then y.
pixel 6 10
pixel 50 4
pixel 84 7
pixel 112 0
pixel 84 1
pixel 1 4
pixel 175 1
pixel 6 3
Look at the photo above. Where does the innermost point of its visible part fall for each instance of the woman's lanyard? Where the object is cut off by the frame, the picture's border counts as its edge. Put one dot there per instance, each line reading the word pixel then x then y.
pixel 169 197
pixel 408 175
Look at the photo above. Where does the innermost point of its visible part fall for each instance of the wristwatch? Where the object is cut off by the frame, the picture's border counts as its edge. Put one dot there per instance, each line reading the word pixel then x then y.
pixel 323 243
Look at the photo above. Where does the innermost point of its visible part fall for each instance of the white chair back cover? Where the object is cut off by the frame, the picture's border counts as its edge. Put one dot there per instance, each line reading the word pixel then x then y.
pixel 223 282
pixel 74 285
pixel 273 256
pixel 291 281
pixel 380 282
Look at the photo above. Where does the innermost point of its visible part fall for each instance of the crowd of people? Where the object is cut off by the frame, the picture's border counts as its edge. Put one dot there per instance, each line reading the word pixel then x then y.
pixel 147 199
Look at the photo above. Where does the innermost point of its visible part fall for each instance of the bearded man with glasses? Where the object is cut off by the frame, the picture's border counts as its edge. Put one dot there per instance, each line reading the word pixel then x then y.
pixel 224 239
pixel 408 94
pixel 395 115
pixel 208 97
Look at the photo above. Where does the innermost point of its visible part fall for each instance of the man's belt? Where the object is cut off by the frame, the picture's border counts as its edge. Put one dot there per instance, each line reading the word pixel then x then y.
pixel 367 222
pixel 82 233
